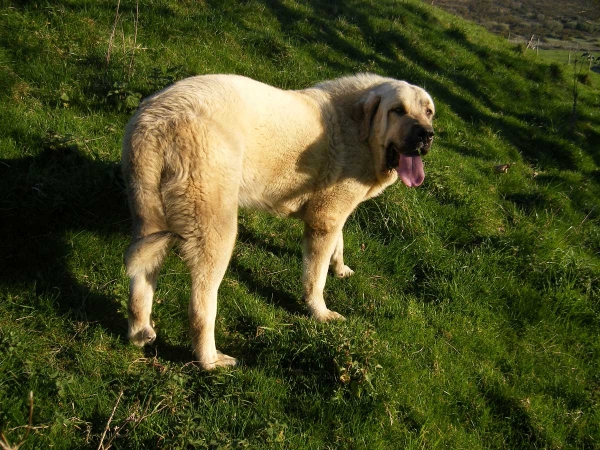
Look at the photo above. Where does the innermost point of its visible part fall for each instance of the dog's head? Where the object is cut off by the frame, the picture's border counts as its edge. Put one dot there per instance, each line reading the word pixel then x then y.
pixel 395 118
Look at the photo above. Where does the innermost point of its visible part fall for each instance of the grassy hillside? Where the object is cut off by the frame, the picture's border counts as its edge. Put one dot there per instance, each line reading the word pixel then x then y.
pixel 473 317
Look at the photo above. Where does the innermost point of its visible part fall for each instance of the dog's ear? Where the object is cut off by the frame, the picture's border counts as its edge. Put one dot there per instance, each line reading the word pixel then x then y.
pixel 363 112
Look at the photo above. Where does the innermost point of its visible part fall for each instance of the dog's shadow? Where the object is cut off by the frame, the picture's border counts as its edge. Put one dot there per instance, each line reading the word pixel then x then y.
pixel 44 199
pixel 59 193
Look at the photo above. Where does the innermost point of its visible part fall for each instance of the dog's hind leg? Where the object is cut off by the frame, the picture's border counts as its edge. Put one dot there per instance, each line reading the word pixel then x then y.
pixel 151 240
pixel 143 260
pixel 207 250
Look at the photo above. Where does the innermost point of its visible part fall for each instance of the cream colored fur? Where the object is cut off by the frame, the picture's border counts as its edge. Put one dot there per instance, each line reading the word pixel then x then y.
pixel 196 151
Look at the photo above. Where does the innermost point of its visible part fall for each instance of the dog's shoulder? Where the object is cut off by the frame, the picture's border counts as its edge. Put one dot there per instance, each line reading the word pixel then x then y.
pixel 351 84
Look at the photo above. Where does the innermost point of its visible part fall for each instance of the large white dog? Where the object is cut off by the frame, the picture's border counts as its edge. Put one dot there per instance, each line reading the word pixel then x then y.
pixel 196 151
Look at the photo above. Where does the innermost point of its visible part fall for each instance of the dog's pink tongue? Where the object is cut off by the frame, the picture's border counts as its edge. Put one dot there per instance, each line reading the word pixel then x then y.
pixel 410 170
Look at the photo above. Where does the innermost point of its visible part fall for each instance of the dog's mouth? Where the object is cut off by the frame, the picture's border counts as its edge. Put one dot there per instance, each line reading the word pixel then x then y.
pixel 408 165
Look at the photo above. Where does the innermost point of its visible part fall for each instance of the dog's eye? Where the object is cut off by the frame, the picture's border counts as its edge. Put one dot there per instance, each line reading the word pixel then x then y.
pixel 399 110
pixel 429 112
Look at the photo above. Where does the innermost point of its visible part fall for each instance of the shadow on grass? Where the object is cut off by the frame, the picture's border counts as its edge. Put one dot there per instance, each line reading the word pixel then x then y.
pixel 60 193
pixel 266 287
pixel 44 198
pixel 270 294
pixel 521 433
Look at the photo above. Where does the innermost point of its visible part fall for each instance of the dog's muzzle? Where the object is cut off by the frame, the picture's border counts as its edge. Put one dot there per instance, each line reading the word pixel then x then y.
pixel 422 137
pixel 417 143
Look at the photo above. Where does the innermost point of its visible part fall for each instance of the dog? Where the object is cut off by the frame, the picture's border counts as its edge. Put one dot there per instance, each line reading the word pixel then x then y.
pixel 205 146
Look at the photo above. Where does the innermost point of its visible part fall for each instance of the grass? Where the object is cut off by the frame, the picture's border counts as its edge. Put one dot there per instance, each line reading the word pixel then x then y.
pixel 473 317
pixel 560 57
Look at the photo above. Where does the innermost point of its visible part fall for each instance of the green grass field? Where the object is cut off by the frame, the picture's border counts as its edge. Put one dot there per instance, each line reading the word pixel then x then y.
pixel 473 317
pixel 560 57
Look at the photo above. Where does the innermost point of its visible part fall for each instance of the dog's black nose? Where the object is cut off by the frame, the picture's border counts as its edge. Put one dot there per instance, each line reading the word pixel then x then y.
pixel 424 133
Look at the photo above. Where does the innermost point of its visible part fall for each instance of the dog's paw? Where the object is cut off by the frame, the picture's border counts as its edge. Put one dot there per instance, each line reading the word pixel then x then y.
pixel 328 315
pixel 220 360
pixel 144 336
pixel 344 272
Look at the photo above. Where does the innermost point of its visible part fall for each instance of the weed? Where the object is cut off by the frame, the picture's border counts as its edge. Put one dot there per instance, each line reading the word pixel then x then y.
pixel 584 78
pixel 60 143
pixel 161 78
pixel 355 364
pixel 520 48
pixel 556 71
pixel 580 76
pixel 123 98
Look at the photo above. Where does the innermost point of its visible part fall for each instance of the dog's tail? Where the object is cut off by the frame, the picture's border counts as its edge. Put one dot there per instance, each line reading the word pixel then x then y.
pixel 143 165
pixel 146 255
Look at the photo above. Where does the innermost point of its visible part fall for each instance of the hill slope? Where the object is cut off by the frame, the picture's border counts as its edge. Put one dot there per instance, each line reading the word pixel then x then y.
pixel 473 317
pixel 556 18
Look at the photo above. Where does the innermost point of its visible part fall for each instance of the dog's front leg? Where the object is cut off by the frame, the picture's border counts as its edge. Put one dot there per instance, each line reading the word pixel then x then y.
pixel 336 264
pixel 318 249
